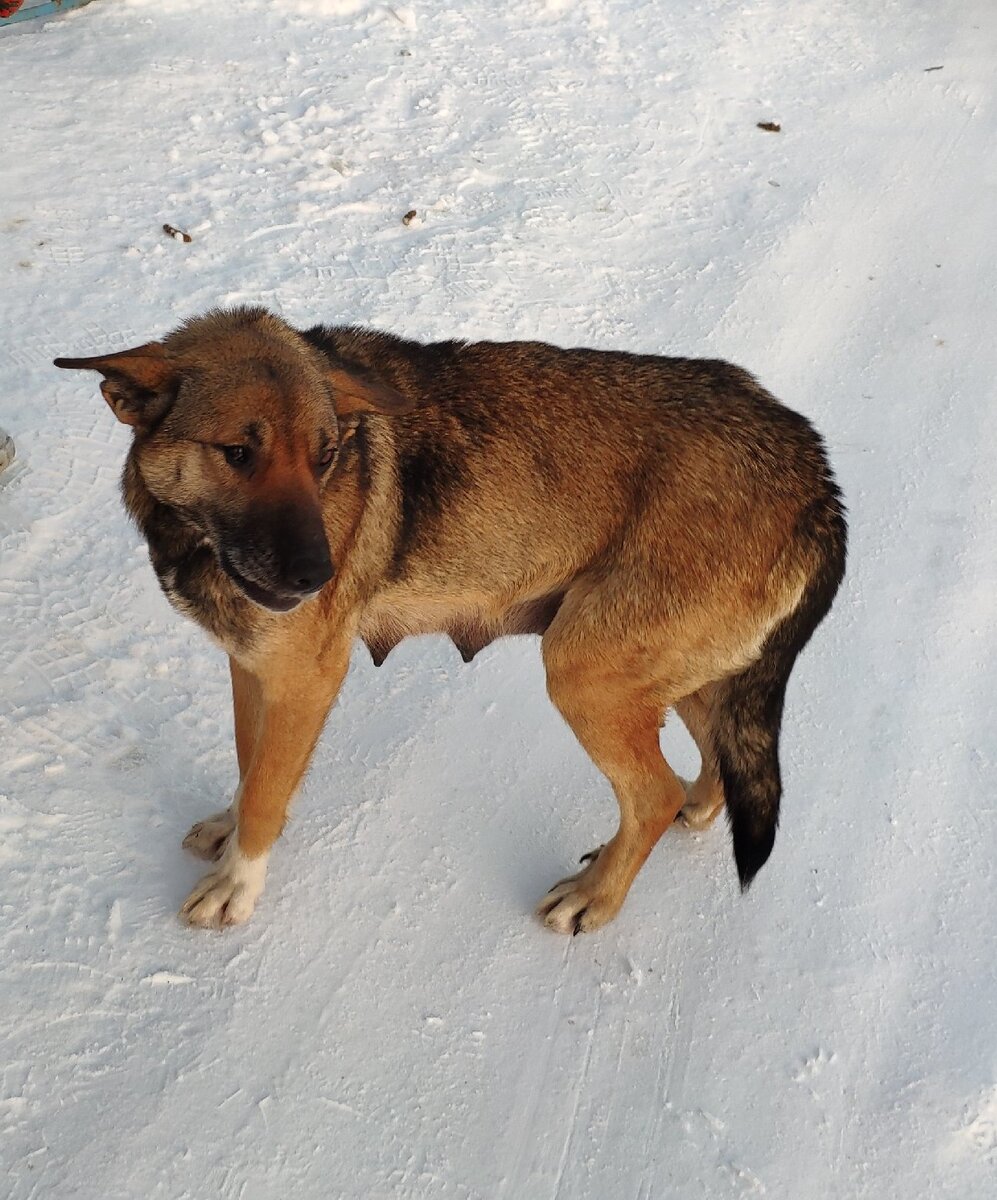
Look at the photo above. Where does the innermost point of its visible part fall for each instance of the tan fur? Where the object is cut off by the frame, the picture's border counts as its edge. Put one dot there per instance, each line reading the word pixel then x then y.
pixel 648 517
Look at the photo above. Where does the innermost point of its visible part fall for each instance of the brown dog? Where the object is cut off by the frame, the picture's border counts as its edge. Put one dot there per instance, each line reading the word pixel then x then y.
pixel 671 530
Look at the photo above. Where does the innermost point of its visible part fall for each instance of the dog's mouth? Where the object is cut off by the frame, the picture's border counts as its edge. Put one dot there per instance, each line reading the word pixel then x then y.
pixel 274 601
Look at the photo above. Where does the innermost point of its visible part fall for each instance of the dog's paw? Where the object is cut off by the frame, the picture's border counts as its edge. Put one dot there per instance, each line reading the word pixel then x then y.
pixel 700 810
pixel 228 895
pixel 582 902
pixel 207 838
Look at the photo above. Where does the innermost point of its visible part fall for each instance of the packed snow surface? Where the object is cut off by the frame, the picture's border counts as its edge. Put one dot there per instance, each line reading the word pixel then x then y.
pixel 393 1022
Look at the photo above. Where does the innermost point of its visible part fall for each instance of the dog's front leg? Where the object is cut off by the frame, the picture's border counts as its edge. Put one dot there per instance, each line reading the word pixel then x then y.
pixel 207 839
pixel 292 708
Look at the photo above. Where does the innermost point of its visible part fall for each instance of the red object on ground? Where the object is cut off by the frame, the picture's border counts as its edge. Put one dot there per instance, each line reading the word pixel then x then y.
pixel 9 7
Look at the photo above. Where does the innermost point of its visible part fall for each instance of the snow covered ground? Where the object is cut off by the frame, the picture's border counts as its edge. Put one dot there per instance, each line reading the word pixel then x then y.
pixel 393 1023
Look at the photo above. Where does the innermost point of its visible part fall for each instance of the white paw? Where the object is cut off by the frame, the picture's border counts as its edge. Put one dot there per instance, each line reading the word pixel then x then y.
pixel 702 805
pixel 207 838
pixel 583 902
pixel 228 895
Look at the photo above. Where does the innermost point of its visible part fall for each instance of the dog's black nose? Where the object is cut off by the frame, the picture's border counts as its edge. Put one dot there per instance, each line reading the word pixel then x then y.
pixel 309 572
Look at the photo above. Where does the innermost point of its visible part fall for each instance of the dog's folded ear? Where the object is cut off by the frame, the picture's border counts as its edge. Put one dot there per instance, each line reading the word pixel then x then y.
pixel 139 384
pixel 355 389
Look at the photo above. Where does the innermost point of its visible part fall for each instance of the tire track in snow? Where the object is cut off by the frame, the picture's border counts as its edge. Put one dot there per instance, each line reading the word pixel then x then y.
pixel 511 1187
pixel 577 1099
pixel 642 1056
pixel 620 1039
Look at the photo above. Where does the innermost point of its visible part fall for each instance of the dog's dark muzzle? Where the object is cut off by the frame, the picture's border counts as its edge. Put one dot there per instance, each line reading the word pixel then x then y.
pixel 280 559
pixel 309 571
pixel 277 601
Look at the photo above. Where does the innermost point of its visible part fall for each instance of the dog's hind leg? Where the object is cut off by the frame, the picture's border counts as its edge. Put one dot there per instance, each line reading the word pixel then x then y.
pixel 295 695
pixel 704 796
pixel 616 718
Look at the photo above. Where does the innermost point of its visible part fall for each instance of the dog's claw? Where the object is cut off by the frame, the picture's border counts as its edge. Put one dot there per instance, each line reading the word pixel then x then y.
pixel 577 928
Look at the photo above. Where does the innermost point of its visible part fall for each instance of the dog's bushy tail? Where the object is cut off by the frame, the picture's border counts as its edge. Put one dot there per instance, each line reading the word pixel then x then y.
pixel 748 713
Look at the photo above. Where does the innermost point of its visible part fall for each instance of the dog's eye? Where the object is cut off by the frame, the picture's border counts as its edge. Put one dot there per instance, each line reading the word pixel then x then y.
pixel 237 456
pixel 326 457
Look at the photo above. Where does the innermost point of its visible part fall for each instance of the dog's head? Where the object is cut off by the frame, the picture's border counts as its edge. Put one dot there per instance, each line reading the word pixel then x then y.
pixel 237 427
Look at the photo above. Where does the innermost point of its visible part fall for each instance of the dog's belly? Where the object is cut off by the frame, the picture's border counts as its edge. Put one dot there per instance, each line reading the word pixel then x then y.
pixel 471 622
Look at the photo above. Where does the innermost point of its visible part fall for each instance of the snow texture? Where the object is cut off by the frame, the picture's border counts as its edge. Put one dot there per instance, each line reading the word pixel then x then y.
pixel 393 1022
